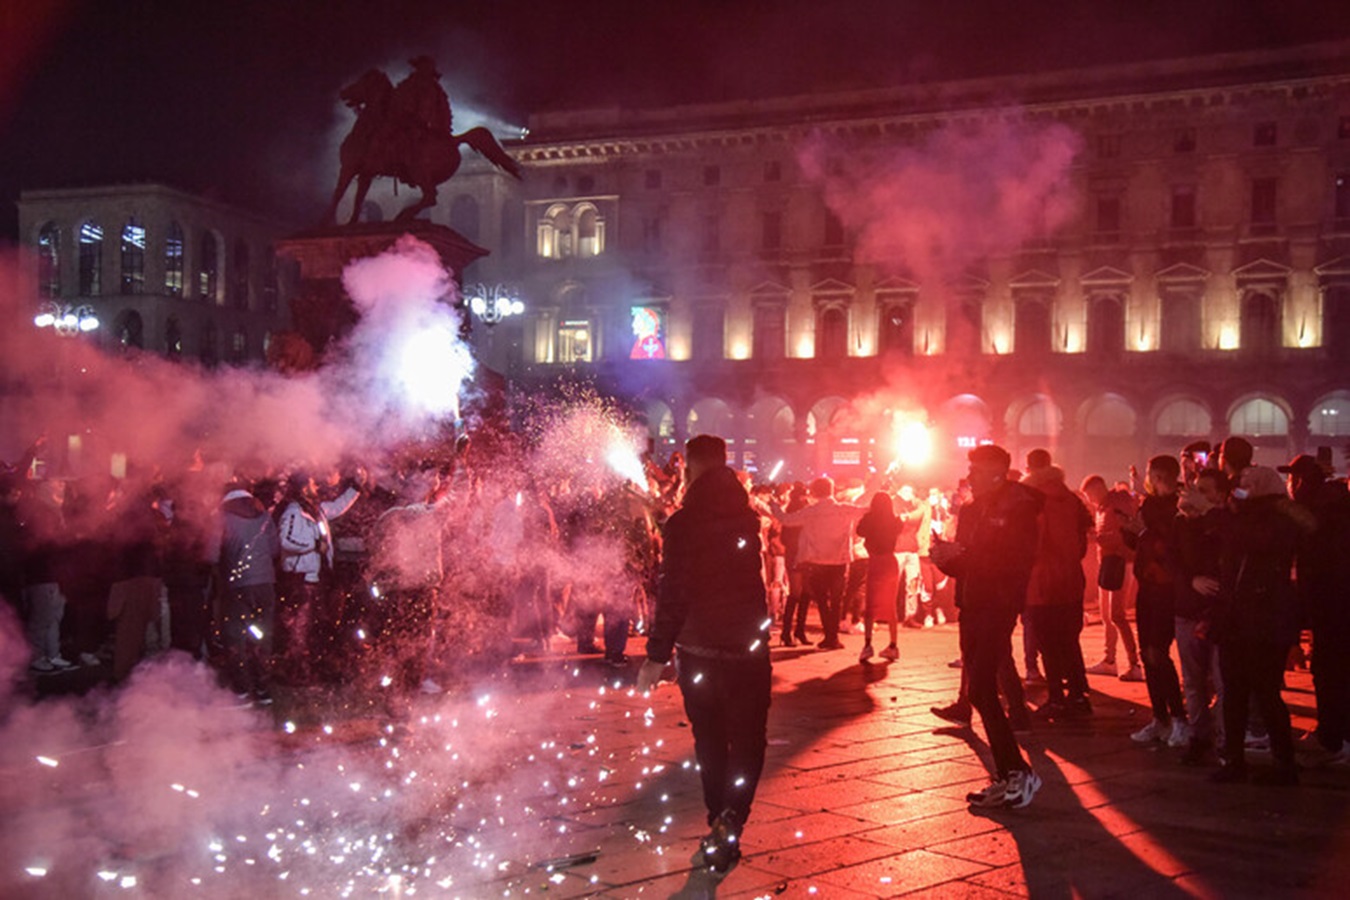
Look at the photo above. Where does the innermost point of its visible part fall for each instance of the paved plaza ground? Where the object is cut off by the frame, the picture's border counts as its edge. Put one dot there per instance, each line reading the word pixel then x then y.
pixel 863 796
pixel 555 779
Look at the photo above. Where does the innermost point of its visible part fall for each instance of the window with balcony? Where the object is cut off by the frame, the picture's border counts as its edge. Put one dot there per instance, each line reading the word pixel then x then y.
pixel 832 331
pixel 564 231
pixel 91 259
pixel 574 342
pixel 1031 326
pixel 709 332
pixel 1259 326
pixel 1106 326
pixel 49 261
pixel 895 326
pixel 173 261
pixel 770 331
pixel 1180 321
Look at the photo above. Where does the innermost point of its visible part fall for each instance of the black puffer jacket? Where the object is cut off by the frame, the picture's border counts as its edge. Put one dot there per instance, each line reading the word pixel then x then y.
pixel 1257 601
pixel 711 592
pixel 999 534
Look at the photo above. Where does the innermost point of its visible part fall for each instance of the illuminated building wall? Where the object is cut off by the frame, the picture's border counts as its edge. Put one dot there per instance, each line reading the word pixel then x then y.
pixel 165 271
pixel 1205 266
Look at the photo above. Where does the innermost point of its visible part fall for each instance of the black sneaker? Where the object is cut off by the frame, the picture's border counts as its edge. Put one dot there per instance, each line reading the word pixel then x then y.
pixel 722 847
pixel 957 713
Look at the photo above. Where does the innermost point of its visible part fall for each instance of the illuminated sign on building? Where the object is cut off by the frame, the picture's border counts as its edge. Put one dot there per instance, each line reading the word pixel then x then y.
pixel 649 333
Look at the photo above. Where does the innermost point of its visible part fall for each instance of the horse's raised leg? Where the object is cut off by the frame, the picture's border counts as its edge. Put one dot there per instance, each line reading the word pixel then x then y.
pixel 427 201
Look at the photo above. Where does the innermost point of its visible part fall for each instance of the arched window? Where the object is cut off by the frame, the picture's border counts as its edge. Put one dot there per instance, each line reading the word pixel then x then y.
pixel 1330 416
pixel 832 332
pixel 133 257
pixel 555 232
pixel 91 259
pixel 1110 416
pixel 1183 418
pixel 769 330
pixel 239 276
pixel 208 268
pixel 271 296
pixel 173 261
pixel 464 216
pixel 49 260
pixel 590 240
pixel 1106 326
pixel 1259 417
pixel 895 325
pixel 710 416
pixel 1041 418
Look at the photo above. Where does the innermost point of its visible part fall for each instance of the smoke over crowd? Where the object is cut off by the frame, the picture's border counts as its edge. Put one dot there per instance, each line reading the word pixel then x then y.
pixel 169 785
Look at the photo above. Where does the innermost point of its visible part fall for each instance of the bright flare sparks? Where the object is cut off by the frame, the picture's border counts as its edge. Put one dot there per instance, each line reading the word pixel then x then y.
pixel 913 443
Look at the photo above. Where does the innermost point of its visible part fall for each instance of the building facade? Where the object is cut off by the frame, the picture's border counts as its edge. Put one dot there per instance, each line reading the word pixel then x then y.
pixel 1197 285
pixel 159 269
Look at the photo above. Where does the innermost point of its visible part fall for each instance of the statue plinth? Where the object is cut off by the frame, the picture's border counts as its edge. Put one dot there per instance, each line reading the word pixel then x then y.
pixel 321 310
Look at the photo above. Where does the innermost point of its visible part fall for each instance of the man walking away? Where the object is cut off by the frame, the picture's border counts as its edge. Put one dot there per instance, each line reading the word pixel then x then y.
pixel 710 603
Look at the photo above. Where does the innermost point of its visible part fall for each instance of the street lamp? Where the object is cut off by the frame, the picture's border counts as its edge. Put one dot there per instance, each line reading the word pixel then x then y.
pixel 67 320
pixel 492 304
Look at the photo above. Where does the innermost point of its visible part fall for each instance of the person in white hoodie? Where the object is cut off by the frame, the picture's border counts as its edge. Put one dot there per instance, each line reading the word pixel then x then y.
pixel 308 613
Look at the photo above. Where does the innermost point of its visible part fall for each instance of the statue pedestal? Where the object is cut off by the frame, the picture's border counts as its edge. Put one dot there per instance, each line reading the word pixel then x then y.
pixel 321 311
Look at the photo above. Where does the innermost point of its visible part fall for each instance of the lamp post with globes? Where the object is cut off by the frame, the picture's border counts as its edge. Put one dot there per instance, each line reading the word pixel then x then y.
pixel 67 320
pixel 492 304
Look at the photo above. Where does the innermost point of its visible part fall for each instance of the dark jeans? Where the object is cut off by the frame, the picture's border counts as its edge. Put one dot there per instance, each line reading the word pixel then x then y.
pixel 1058 627
pixel 615 602
pixel 1255 669
pixel 796 605
pixel 854 590
pixel 825 585
pixel 727 701
pixel 986 640
pixel 247 632
pixel 308 631
pixel 1157 626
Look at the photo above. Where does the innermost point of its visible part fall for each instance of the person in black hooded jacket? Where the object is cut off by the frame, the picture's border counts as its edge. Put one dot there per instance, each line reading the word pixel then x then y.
pixel 711 604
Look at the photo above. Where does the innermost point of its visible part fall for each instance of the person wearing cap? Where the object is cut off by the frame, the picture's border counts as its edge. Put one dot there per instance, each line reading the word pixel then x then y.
pixel 1255 619
pixel 991 559
pixel 1323 580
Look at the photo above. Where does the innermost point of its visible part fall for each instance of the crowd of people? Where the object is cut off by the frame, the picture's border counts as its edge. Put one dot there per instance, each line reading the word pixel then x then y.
pixel 301 577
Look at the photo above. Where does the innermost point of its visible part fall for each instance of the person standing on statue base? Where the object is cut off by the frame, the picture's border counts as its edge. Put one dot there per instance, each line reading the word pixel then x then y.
pixel 711 605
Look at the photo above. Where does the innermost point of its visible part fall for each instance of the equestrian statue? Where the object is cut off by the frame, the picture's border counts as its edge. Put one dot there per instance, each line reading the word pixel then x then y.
pixel 404 132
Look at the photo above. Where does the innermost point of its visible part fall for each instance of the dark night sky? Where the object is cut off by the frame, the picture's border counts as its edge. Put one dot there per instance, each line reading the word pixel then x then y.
pixel 238 98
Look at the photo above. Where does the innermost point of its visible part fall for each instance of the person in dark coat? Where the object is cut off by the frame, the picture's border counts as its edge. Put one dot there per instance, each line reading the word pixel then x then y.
pixel 991 560
pixel 1324 592
pixel 1256 619
pixel 1152 536
pixel 711 605
pixel 250 548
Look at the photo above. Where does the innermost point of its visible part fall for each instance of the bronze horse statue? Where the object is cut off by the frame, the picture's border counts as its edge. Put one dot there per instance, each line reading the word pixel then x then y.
pixel 386 140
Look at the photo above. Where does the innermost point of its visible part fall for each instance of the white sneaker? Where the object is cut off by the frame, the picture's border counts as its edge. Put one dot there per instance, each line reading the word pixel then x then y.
pixel 429 686
pixel 42 664
pixel 941 617
pixel 1153 731
pixel 1133 673
pixel 991 795
pixel 1180 734
pixel 60 662
pixel 1342 756
pixel 928 621
pixel 891 652
pixel 89 659
pixel 1022 786
pixel 1102 668
pixel 1258 743
pixel 866 654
